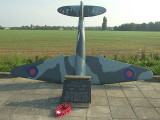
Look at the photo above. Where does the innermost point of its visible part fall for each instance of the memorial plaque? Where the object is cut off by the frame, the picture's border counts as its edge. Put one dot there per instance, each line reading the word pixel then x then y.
pixel 78 91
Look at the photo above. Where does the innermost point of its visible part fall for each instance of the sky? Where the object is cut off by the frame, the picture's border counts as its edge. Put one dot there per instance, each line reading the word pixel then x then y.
pixel 44 12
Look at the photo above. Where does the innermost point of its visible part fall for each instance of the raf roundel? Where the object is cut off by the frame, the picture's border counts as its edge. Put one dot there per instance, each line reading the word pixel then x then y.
pixel 32 72
pixel 129 74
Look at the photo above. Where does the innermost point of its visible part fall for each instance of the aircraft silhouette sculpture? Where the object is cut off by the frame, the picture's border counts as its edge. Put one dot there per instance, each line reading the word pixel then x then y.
pixel 101 70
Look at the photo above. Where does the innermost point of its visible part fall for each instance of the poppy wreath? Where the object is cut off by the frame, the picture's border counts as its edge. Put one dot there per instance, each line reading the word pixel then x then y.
pixel 62 110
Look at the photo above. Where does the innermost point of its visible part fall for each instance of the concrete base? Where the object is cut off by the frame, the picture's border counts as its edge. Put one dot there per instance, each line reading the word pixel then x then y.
pixel 26 99
pixel 75 77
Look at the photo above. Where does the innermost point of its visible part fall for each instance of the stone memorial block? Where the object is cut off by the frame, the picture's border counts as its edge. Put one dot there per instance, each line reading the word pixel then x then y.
pixel 77 91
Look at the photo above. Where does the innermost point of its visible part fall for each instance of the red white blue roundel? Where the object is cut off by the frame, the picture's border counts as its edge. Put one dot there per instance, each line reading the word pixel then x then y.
pixel 129 74
pixel 32 71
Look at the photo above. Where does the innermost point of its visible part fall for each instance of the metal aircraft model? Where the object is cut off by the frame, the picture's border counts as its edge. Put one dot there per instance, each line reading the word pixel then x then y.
pixel 101 70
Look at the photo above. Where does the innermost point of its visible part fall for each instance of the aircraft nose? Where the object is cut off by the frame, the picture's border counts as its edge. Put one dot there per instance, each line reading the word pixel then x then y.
pixel 145 75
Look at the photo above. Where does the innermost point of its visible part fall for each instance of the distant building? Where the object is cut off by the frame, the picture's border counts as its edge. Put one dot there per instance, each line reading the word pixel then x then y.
pixel 61 29
pixel 110 28
pixel 6 28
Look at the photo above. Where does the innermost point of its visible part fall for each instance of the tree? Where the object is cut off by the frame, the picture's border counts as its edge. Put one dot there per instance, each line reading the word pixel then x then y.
pixel 31 26
pixel 144 27
pixel 157 26
pixel 104 24
pixel 151 26
pixel 1 27
pixel 139 27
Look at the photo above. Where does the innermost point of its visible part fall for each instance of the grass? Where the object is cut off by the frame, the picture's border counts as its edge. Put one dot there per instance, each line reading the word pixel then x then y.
pixel 53 43
pixel 8 62
pixel 18 47
pixel 151 62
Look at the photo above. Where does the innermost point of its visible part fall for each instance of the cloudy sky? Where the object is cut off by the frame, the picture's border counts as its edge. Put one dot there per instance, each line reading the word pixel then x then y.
pixel 44 12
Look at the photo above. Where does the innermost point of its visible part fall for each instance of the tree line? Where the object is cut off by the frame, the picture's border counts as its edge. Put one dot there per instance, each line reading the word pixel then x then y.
pixel 151 26
pixel 37 27
pixel 45 27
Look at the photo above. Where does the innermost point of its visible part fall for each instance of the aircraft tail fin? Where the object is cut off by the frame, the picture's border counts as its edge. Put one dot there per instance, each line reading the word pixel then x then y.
pixel 74 11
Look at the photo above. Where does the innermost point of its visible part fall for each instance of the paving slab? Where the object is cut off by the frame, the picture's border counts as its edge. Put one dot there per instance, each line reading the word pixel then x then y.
pixel 27 111
pixel 118 101
pixel 158 110
pixel 98 92
pixel 40 117
pixel 46 112
pixel 8 109
pixel 113 87
pixel 5 117
pixel 151 94
pixel 101 118
pixel 26 99
pixel 44 91
pixel 99 111
pixel 99 101
pixel 157 88
pixel 146 113
pixel 122 112
pixel 4 97
pixel 22 117
pixel 135 93
pixel 115 93
pixel 141 82
pixel 125 119
pixel 155 102
pixel 127 83
pixel 98 87
pixel 129 87
pixel 79 112
pixel 139 102
pixel 145 87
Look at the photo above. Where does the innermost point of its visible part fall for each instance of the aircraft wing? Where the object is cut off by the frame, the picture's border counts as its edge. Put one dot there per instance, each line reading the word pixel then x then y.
pixel 52 70
pixel 101 70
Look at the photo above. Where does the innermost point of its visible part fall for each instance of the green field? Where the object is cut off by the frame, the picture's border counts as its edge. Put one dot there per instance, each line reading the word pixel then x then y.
pixel 53 43
pixel 140 48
